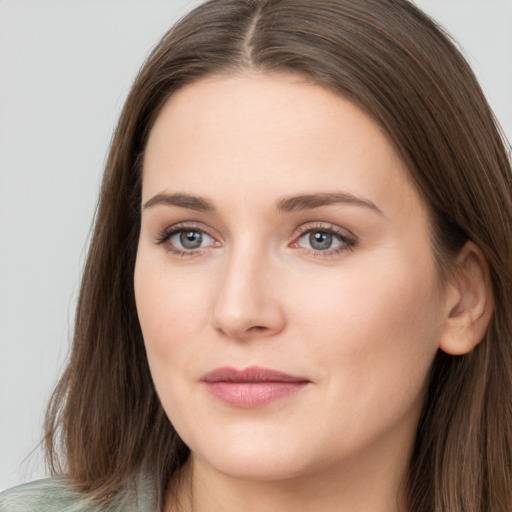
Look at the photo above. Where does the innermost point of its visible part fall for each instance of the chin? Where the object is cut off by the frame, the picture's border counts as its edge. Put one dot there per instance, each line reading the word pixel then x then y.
pixel 257 467
pixel 255 460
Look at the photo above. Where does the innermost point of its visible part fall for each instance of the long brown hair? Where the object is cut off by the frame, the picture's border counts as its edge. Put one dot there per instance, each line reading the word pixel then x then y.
pixel 105 423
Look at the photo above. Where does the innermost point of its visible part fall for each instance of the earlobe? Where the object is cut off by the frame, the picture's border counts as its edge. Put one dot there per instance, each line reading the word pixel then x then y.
pixel 470 302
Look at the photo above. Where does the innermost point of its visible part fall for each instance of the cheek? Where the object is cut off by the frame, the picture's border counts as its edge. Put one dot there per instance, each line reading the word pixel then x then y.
pixel 172 314
pixel 379 327
pixel 369 300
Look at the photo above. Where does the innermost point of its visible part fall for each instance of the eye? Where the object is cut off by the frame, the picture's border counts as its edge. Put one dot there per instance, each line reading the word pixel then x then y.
pixel 190 239
pixel 186 240
pixel 322 239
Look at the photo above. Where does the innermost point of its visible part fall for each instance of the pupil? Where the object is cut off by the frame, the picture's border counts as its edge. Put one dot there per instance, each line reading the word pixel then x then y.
pixel 191 239
pixel 320 241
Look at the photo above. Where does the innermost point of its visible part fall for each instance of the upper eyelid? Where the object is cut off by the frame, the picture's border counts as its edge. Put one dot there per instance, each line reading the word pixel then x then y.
pixel 327 227
pixel 182 226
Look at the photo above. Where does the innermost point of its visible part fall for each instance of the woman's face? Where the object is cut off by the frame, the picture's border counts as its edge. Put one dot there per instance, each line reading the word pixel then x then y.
pixel 285 281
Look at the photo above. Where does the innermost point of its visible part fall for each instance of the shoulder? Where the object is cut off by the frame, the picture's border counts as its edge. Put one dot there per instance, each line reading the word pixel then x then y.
pixel 58 495
pixel 50 495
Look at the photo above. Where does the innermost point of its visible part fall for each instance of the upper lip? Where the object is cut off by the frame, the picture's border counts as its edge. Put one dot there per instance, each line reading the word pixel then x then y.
pixel 248 375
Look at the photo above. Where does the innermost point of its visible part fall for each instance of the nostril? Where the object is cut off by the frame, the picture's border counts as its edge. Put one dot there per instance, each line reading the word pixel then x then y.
pixel 257 331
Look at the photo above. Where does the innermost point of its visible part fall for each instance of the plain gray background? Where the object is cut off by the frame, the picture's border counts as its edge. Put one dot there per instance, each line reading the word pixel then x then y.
pixel 65 69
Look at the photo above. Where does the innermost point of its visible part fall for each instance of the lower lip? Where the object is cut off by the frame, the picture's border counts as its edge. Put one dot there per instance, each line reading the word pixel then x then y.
pixel 252 394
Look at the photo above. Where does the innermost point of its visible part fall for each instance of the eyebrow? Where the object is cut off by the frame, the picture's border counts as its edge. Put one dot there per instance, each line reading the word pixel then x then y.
pixel 286 204
pixel 310 201
pixel 181 200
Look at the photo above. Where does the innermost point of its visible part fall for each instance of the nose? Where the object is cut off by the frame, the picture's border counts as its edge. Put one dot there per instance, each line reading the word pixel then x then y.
pixel 247 304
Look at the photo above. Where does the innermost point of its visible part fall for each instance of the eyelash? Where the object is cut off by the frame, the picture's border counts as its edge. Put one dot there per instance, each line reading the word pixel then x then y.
pixel 168 233
pixel 349 241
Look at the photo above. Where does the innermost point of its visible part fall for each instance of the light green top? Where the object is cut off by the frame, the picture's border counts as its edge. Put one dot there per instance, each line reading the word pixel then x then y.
pixel 57 495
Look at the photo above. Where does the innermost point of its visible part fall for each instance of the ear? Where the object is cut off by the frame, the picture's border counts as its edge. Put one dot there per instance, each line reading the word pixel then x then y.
pixel 469 302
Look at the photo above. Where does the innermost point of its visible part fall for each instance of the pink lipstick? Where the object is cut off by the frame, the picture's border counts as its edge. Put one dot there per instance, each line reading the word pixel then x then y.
pixel 252 386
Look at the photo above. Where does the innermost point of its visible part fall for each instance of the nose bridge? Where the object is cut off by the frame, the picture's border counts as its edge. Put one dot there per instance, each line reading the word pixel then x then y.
pixel 246 301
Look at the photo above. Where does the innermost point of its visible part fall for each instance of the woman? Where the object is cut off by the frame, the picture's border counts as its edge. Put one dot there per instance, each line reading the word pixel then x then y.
pixel 297 293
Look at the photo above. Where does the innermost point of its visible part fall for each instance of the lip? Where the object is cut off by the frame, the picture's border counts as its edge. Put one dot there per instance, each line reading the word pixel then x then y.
pixel 251 387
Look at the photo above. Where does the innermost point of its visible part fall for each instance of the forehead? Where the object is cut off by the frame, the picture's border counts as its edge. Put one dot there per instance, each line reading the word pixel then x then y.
pixel 277 131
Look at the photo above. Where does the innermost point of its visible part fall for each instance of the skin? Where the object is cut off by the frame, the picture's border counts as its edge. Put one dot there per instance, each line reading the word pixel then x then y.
pixel 361 321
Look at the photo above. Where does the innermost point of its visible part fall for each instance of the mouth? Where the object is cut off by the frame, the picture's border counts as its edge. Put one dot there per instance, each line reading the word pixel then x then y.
pixel 251 387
